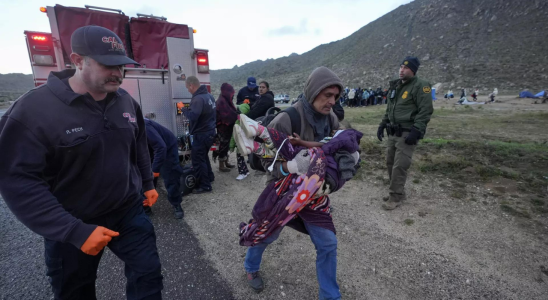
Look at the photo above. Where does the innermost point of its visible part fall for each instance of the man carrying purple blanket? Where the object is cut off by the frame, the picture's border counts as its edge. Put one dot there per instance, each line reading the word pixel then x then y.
pixel 296 194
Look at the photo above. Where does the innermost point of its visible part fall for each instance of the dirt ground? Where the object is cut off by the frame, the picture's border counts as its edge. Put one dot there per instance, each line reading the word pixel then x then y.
pixel 467 237
pixel 475 225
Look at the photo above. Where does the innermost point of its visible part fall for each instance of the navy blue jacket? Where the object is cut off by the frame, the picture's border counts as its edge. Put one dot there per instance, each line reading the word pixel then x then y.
pixel 245 93
pixel 201 112
pixel 160 139
pixel 65 161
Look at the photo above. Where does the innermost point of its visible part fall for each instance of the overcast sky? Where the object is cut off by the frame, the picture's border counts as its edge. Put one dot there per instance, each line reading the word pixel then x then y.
pixel 235 32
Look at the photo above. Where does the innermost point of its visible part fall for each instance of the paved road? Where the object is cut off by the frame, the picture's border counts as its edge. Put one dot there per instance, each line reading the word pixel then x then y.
pixel 187 275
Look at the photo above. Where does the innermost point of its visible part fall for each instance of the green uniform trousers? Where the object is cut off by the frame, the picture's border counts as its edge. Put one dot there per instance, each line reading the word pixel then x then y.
pixel 398 160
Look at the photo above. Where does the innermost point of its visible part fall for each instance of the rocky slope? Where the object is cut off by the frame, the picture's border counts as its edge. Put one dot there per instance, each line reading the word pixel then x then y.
pixel 465 43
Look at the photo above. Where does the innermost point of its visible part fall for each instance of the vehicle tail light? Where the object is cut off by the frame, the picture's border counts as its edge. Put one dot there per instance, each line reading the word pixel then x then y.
pixel 202 61
pixel 39 38
pixel 43 60
pixel 40 47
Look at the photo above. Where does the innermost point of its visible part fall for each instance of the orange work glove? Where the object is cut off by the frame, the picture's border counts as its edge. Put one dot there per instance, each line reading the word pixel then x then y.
pixel 180 105
pixel 156 175
pixel 97 240
pixel 152 197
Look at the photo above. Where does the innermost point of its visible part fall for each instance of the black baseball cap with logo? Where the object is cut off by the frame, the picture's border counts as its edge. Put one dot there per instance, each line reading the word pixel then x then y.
pixel 101 44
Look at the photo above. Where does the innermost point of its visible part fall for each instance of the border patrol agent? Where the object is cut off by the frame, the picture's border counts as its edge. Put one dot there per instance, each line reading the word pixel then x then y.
pixel 74 161
pixel 407 114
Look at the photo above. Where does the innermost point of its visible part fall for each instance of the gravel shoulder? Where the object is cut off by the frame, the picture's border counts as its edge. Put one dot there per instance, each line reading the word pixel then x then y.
pixel 435 246
pixel 453 249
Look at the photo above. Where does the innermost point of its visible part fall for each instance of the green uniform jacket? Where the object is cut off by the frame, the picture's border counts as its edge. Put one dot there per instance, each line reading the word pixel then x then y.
pixel 409 104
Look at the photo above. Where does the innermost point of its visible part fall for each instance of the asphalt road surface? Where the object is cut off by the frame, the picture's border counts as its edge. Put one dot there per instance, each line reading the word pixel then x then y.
pixel 187 274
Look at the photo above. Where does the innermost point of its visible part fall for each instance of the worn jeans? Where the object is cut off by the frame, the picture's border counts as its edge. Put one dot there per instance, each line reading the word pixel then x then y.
pixel 72 273
pixel 200 160
pixel 325 242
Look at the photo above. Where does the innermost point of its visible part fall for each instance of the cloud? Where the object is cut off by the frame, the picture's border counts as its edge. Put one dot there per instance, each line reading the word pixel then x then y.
pixel 301 29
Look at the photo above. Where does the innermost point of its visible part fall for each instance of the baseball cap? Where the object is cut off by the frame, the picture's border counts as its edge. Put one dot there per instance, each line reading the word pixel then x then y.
pixel 101 44
pixel 251 82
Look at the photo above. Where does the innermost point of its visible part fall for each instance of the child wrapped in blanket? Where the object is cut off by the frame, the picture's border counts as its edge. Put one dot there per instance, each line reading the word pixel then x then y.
pixel 305 187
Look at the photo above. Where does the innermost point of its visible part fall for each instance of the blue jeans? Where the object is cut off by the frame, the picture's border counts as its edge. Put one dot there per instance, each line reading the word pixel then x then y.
pixel 325 242
pixel 171 172
pixel 200 160
pixel 72 273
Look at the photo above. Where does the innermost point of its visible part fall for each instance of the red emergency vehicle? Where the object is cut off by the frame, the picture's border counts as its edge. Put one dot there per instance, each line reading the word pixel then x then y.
pixel 165 51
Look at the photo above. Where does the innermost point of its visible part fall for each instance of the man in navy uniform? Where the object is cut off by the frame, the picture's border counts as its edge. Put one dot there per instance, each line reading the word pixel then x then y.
pixel 74 162
pixel 202 116
pixel 162 144
pixel 250 91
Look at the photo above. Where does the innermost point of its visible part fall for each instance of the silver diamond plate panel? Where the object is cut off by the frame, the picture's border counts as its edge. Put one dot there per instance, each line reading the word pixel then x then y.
pixel 132 87
pixel 155 98
pixel 179 52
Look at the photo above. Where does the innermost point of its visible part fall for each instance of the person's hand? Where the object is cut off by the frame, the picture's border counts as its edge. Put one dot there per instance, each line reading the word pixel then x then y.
pixel 380 131
pixel 413 137
pixel 156 175
pixel 180 105
pixel 299 165
pixel 97 240
pixel 151 198
pixel 294 139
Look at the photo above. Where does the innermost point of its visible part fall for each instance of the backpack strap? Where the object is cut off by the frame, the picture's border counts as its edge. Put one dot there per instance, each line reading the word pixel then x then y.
pixel 295 118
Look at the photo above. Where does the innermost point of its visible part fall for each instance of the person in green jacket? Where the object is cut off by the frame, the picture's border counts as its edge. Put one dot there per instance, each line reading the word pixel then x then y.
pixel 408 112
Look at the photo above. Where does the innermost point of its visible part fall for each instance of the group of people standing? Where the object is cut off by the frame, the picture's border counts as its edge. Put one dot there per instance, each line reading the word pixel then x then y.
pixel 252 100
pixel 363 97
pixel 81 174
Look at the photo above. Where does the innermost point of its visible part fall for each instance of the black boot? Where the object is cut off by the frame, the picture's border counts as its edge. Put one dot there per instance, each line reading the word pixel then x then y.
pixel 179 212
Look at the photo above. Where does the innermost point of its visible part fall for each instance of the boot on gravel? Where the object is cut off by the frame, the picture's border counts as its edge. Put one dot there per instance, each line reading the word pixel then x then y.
pixel 178 213
pixel 255 281
pixel 391 204
pixel 222 165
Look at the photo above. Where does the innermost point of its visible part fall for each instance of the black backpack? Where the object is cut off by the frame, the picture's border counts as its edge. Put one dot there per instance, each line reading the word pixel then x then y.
pixel 294 116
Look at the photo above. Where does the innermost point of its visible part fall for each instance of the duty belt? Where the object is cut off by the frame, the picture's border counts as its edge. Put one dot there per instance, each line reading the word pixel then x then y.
pixel 396 130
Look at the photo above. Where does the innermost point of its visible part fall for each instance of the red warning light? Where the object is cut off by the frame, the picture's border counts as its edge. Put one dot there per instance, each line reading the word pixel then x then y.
pixel 39 38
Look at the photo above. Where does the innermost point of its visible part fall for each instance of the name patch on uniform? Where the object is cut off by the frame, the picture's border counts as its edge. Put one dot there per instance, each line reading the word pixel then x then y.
pixel 74 130
pixel 404 96
pixel 129 117
pixel 426 89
